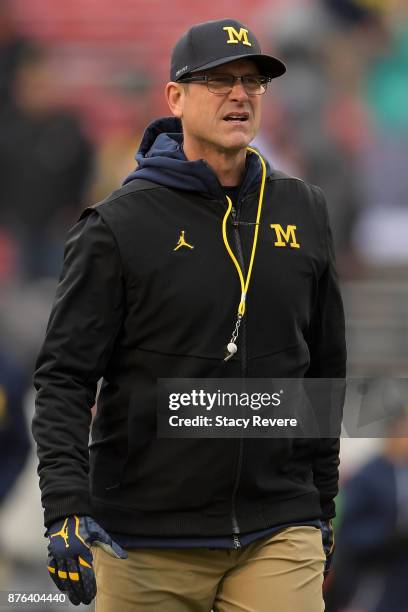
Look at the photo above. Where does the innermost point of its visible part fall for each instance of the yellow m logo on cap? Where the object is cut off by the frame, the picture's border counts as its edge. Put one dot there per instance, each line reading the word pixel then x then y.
pixel 283 237
pixel 237 37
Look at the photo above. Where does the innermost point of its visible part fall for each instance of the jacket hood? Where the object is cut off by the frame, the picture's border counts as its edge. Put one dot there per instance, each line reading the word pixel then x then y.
pixel 161 159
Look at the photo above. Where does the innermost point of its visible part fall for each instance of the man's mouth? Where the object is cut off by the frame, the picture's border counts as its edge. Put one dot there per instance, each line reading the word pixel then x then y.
pixel 236 117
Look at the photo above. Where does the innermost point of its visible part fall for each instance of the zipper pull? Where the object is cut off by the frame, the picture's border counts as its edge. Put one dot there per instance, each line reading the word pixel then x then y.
pixel 236 540
pixel 234 216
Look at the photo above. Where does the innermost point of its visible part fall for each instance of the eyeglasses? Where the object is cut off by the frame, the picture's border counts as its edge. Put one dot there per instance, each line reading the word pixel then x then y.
pixel 221 84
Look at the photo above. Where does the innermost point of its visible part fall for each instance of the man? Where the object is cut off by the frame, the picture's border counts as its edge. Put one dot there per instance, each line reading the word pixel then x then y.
pixel 36 211
pixel 226 524
pixel 14 436
pixel 371 562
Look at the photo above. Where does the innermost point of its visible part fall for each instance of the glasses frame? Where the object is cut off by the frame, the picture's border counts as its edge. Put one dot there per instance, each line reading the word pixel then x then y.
pixel 205 78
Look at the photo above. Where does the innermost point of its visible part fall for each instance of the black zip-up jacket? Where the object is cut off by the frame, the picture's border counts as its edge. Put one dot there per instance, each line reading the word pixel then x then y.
pixel 131 309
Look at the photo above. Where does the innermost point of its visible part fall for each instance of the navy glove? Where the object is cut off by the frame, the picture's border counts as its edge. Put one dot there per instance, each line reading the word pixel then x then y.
pixel 70 557
pixel 328 543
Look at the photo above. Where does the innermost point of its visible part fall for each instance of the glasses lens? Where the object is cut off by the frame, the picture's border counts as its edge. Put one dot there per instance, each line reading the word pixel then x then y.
pixel 223 84
pixel 255 85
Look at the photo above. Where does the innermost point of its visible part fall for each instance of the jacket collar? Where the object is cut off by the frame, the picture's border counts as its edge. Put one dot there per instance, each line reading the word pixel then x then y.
pixel 161 159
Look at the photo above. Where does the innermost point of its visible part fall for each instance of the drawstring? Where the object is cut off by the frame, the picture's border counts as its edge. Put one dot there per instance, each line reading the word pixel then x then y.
pixel 232 347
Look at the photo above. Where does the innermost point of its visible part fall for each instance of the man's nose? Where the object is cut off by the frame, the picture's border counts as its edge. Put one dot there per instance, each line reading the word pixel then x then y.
pixel 238 91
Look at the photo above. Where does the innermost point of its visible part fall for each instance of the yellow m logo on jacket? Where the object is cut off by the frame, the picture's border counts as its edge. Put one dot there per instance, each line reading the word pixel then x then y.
pixel 237 37
pixel 285 237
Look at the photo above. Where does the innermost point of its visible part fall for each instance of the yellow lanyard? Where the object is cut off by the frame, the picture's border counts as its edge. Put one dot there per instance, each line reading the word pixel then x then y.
pixel 232 348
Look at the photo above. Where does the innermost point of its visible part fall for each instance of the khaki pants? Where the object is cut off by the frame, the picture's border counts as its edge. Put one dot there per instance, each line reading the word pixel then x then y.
pixel 282 573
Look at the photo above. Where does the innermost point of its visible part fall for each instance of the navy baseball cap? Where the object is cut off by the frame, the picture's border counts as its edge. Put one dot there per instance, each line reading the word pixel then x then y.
pixel 213 43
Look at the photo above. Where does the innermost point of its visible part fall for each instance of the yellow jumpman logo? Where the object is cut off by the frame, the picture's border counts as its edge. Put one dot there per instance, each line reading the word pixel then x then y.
pixel 182 242
pixel 63 533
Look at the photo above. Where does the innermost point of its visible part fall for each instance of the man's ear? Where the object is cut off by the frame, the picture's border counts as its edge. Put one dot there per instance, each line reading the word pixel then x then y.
pixel 175 94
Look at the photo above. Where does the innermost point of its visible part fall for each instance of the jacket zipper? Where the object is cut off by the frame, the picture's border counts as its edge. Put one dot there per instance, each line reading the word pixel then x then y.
pixel 235 525
pixel 235 223
pixel 240 255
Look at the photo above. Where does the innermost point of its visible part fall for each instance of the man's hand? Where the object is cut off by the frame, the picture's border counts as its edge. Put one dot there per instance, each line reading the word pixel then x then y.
pixel 328 543
pixel 70 557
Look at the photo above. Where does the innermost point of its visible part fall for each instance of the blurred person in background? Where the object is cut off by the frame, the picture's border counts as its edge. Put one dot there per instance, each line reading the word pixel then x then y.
pixel 14 437
pixel 371 567
pixel 13 46
pixel 368 118
pixel 324 125
pixel 45 167
pixel 151 287
pixel 380 234
pixel 132 95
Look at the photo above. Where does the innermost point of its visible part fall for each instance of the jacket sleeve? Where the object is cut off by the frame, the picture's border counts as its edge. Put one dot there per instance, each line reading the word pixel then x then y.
pixel 327 348
pixel 85 320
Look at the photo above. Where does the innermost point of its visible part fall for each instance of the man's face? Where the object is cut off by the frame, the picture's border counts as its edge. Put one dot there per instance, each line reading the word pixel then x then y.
pixel 208 118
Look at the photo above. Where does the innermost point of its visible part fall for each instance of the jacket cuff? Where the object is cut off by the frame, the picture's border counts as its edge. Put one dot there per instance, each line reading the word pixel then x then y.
pixel 60 506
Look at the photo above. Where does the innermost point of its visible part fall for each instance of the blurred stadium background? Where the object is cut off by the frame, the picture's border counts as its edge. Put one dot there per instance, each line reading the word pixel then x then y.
pixel 79 80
